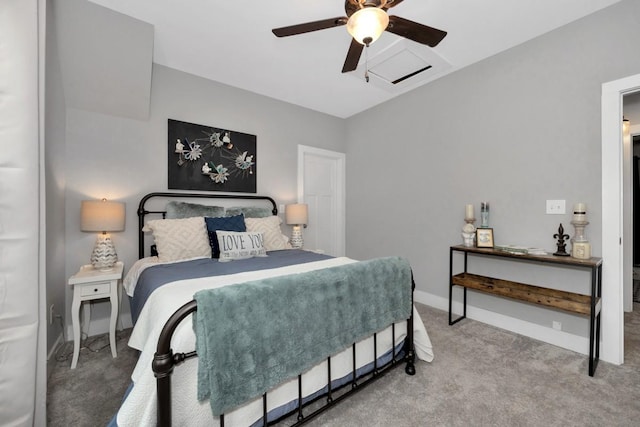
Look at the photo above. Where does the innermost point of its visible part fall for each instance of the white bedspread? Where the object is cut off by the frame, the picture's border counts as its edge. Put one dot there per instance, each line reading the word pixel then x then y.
pixel 139 409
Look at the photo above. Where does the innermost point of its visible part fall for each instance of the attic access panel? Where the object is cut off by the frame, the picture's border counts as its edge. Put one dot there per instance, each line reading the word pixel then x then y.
pixel 399 67
pixel 402 66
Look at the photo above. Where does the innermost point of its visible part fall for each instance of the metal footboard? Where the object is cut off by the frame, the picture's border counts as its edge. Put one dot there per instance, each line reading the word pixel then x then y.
pixel 164 361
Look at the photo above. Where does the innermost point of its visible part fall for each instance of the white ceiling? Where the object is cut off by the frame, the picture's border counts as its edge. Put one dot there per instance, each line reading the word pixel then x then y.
pixel 231 42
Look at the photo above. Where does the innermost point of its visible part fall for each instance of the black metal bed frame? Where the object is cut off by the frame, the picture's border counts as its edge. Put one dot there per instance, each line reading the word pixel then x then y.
pixel 165 360
pixel 142 212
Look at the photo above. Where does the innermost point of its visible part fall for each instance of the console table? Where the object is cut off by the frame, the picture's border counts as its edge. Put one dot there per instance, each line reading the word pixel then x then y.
pixel 587 305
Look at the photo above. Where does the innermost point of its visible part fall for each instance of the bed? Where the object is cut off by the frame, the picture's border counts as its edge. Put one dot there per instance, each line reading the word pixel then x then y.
pixel 166 290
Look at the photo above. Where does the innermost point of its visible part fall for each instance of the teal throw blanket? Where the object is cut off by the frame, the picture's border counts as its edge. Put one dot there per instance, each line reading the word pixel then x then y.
pixel 253 336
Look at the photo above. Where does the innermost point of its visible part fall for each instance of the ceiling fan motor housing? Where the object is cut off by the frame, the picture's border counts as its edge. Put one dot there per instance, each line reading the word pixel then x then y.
pixel 352 6
pixel 373 3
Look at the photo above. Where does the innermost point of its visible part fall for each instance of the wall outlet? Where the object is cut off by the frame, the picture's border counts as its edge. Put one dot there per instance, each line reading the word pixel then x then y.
pixel 556 207
pixel 51 308
pixel 557 325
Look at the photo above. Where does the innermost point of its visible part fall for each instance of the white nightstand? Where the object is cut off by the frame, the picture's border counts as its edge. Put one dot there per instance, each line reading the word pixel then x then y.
pixel 89 284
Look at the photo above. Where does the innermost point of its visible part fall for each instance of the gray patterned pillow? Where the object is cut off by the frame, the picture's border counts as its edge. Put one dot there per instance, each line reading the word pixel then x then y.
pixel 188 210
pixel 249 211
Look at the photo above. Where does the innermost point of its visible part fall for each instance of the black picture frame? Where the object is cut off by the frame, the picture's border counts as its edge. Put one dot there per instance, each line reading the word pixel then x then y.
pixel 484 237
pixel 207 158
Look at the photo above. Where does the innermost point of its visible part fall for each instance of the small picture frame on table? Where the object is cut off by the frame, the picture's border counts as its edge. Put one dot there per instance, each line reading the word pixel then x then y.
pixel 484 237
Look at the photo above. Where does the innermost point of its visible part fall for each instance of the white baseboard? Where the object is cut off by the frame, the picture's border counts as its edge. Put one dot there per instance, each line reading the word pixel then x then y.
pixel 51 355
pixel 54 347
pixel 549 335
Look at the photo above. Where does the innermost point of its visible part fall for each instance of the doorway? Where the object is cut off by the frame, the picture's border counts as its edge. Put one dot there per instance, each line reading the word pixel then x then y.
pixel 631 129
pixel 632 295
pixel 613 224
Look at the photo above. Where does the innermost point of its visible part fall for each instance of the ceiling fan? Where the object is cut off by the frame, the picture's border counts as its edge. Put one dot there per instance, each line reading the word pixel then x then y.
pixel 365 21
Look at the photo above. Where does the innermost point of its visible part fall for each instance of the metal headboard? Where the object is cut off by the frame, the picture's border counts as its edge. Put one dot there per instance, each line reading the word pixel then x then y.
pixel 142 212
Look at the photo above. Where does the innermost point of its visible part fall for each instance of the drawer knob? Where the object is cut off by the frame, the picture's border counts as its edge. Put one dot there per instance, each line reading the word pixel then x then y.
pixel 95 290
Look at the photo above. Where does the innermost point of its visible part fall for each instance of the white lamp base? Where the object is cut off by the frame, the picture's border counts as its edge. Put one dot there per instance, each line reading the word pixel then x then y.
pixel 296 237
pixel 104 254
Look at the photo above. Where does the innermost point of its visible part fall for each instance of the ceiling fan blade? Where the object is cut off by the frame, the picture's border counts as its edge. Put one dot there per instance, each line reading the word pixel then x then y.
pixel 353 56
pixel 393 4
pixel 309 27
pixel 351 7
pixel 415 31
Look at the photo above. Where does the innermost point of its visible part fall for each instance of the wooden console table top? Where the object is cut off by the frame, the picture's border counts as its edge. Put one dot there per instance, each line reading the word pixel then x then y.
pixel 564 260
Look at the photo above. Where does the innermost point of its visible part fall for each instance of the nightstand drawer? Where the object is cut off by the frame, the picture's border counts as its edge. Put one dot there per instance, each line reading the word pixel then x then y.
pixel 96 289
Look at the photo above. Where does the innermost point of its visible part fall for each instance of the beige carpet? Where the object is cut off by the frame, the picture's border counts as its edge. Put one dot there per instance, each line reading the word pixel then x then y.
pixel 481 376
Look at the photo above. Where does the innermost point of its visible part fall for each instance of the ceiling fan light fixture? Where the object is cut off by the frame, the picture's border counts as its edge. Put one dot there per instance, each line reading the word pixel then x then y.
pixel 367 24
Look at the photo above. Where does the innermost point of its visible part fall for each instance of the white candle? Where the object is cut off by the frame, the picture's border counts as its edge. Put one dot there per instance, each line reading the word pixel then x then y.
pixel 468 212
pixel 579 212
pixel 581 250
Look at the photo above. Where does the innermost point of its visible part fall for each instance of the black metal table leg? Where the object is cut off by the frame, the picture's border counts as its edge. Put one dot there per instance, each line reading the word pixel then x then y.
pixel 464 290
pixel 594 326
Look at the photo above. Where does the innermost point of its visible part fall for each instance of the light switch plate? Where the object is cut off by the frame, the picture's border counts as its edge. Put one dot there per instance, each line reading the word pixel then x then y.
pixel 556 207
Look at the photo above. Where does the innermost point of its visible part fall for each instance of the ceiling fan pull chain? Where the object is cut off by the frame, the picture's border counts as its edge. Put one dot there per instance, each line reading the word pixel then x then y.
pixel 366 63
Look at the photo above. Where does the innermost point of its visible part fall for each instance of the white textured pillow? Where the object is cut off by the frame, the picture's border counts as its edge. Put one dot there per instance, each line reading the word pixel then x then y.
pixel 178 239
pixel 270 228
pixel 239 245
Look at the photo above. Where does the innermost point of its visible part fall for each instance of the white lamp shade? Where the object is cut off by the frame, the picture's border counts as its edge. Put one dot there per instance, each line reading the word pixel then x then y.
pixel 368 22
pixel 101 216
pixel 296 214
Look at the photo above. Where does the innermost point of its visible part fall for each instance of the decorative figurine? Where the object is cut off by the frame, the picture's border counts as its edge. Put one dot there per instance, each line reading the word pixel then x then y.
pixel 469 233
pixel 561 244
pixel 469 230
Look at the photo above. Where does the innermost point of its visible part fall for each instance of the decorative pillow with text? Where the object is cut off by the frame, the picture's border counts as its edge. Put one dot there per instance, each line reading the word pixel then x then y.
pixel 238 245
pixel 227 223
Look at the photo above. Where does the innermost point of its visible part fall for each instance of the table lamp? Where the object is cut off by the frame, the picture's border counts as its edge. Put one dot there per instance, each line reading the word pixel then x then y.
pixel 297 215
pixel 102 216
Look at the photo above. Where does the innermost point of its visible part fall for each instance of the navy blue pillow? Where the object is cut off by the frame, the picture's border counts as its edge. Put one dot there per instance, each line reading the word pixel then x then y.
pixel 226 223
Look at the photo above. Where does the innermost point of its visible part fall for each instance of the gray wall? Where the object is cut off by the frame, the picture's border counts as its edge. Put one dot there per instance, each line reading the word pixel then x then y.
pixel 123 159
pixel 116 80
pixel 516 129
pixel 93 154
pixel 54 150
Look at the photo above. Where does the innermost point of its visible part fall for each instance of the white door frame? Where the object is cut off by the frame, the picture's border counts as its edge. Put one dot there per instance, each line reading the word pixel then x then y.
pixel 341 196
pixel 612 344
pixel 629 226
